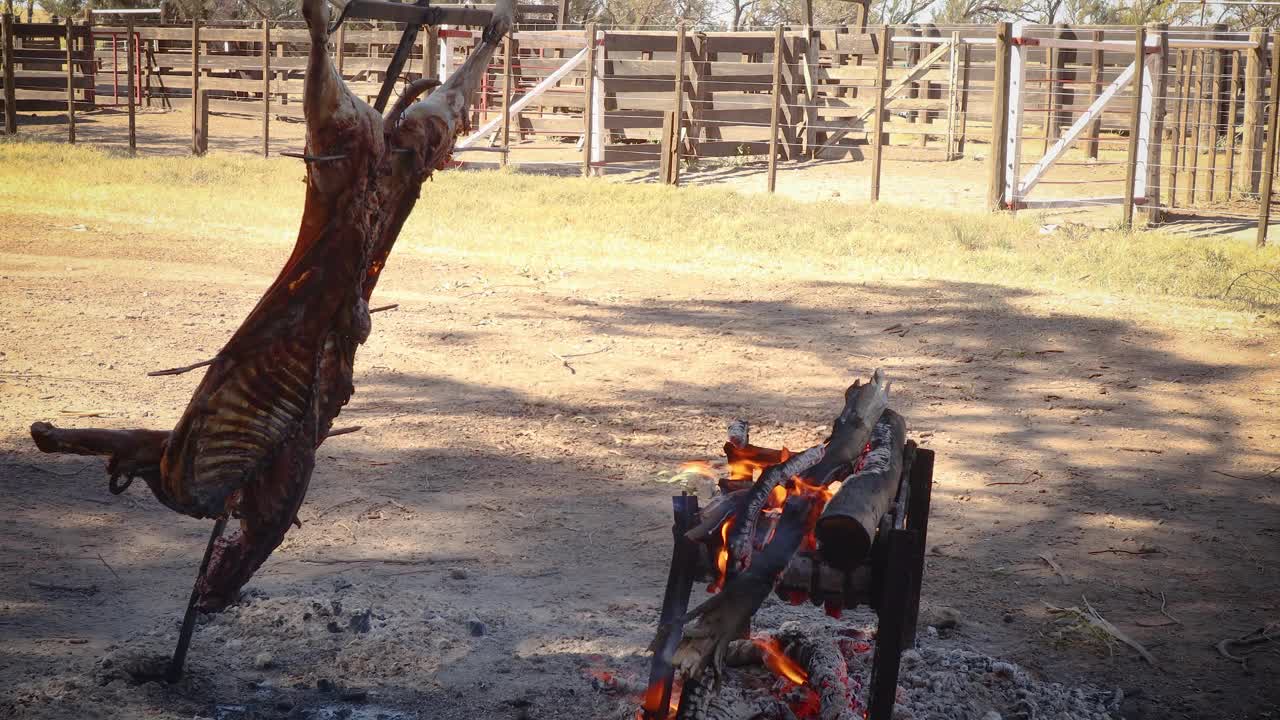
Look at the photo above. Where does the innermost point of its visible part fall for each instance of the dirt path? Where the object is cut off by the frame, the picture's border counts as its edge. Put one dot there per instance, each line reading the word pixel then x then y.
pixel 521 492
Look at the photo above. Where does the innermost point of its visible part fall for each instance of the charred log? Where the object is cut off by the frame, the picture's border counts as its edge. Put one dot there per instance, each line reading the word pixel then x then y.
pixel 848 524
pixel 828 674
pixel 863 405
pixel 727 615
pixel 742 534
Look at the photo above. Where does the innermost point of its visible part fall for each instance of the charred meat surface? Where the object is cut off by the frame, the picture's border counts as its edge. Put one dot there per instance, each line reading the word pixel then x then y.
pixel 245 446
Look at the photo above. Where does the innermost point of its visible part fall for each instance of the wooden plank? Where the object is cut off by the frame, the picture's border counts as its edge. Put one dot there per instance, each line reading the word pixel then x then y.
pixel 1158 86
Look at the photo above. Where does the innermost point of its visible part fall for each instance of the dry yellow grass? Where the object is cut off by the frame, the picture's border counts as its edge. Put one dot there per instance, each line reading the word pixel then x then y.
pixel 534 219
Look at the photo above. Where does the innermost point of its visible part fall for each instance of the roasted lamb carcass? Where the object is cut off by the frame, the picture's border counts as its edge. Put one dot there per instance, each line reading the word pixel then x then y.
pixel 245 446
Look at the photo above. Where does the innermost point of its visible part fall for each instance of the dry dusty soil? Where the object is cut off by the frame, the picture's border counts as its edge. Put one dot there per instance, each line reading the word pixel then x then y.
pixel 494 537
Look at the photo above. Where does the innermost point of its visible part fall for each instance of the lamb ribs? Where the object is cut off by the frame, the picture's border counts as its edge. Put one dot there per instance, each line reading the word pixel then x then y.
pixel 245 446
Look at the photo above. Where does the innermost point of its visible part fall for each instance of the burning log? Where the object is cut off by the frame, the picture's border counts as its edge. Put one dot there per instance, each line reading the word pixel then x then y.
pixel 828 675
pixel 727 615
pixel 848 523
pixel 792 532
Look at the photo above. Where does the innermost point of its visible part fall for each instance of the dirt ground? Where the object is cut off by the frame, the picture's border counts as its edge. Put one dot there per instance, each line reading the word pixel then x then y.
pixel 1127 440
pixel 911 176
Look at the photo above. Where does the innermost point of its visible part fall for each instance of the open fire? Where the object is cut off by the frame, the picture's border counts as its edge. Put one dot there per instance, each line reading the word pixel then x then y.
pixel 828 525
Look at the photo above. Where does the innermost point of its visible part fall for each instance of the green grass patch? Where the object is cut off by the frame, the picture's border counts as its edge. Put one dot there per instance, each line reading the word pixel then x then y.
pixel 530 219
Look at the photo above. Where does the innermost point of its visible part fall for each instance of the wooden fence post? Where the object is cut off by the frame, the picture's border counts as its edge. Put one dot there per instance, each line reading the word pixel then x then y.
pixel 964 98
pixel 195 88
pixel 1232 108
pixel 1153 210
pixel 1255 69
pixel 877 139
pixel 1135 120
pixel 678 103
pixel 1197 128
pixel 1095 82
pixel 999 120
pixel 506 99
pixel 1269 154
pixel 588 102
pixel 342 48
pixel 266 88
pixel 71 83
pixel 200 108
pixel 953 94
pixel 776 109
pixel 10 96
pixel 1179 135
pixel 665 153
pixel 430 39
pixel 1215 111
pixel 129 44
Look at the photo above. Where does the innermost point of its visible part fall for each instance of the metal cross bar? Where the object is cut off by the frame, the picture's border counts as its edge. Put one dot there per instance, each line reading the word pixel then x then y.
pixel 414 14
pixel 398 59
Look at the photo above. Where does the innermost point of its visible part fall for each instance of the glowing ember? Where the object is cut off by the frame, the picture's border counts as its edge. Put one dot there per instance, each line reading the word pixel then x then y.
pixel 779 663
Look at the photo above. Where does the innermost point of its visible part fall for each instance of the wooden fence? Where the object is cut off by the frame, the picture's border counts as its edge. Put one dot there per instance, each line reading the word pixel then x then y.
pixel 660 98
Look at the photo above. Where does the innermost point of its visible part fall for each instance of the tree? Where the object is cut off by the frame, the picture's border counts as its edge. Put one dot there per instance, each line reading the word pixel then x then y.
pixel 899 12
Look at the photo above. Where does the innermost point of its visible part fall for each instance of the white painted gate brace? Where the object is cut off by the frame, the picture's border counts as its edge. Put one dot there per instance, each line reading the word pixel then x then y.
pixel 1016 190
pixel 525 99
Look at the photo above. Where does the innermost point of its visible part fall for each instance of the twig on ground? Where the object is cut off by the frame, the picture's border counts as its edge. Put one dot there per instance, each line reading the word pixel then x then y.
pixel 108 566
pixel 1263 476
pixel 85 590
pixel 1266 633
pixel 1115 632
pixel 1032 477
pixel 1094 619
pixel 1139 551
pixel 383 308
pixel 181 370
pixel 1047 557
pixel 1249 274
pixel 1126 448
pixel 564 362
pixel 344 431
pixel 1163 603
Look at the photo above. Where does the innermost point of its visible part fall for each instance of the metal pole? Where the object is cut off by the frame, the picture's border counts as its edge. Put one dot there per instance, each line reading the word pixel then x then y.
pixel 189 619
pixel 1135 120
pixel 506 99
pixel 877 133
pixel 129 42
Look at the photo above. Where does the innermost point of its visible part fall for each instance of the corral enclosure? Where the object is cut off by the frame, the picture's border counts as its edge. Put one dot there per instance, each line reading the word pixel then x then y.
pixel 797 95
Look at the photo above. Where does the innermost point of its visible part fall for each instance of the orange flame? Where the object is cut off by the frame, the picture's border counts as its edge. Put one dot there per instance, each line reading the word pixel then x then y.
pixel 778 662
pixel 722 558
pixel 701 468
